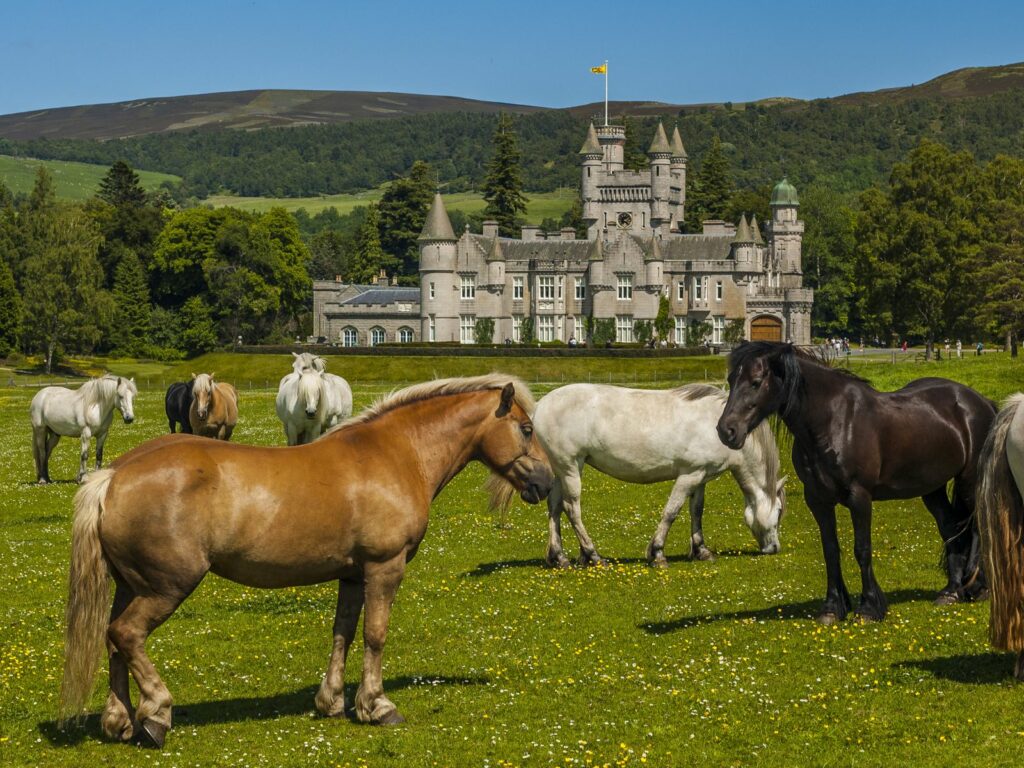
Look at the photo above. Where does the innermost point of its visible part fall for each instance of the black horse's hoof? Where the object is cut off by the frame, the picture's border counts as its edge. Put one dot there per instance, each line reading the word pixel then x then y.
pixel 827 618
pixel 866 618
pixel 704 555
pixel 391 718
pixel 150 734
pixel 947 598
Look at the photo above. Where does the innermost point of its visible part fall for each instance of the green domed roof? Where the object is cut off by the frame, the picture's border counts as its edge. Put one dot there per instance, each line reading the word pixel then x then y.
pixel 784 194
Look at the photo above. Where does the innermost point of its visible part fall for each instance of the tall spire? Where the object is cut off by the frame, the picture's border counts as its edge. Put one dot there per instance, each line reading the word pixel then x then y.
pixel 660 144
pixel 437 225
pixel 591 146
pixel 755 230
pixel 678 150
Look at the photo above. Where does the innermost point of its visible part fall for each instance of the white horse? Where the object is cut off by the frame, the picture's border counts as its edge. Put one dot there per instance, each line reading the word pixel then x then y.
pixel 85 412
pixel 336 390
pixel 1000 511
pixel 649 436
pixel 301 405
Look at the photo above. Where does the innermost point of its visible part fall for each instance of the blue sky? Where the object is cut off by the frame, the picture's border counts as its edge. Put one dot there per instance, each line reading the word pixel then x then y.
pixel 59 53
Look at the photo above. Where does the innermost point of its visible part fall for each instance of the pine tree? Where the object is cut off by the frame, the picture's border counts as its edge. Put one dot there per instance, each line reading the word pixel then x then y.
pixel 10 311
pixel 403 209
pixel 634 157
pixel 43 196
pixel 503 186
pixel 198 332
pixel 130 334
pixel 713 188
pixel 369 257
pixel 121 187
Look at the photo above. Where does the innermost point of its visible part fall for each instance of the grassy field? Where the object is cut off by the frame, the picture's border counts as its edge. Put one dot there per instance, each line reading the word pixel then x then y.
pixel 73 181
pixel 541 204
pixel 497 661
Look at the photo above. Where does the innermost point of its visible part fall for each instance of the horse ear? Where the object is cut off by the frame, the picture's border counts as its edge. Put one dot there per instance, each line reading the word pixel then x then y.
pixel 508 393
pixel 193 375
pixel 295 355
pixel 781 484
pixel 212 374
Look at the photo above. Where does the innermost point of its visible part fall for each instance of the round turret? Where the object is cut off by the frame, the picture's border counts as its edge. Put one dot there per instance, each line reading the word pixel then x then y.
pixel 784 193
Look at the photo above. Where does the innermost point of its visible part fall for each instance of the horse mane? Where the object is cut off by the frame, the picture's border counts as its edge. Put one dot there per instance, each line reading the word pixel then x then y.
pixel 95 389
pixel 699 391
pixel 438 388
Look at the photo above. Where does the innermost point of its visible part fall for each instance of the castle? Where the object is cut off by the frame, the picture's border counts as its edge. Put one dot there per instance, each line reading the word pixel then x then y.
pixel 633 254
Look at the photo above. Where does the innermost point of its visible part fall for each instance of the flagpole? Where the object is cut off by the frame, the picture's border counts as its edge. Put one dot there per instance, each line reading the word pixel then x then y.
pixel 606 92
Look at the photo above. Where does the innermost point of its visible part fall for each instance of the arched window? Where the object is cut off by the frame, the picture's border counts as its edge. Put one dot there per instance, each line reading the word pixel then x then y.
pixel 377 336
pixel 349 337
pixel 405 335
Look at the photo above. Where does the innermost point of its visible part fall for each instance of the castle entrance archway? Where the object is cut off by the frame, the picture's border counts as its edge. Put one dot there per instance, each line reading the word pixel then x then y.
pixel 766 328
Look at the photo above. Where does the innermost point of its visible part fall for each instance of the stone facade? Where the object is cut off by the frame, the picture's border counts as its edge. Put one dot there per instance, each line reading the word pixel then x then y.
pixel 633 254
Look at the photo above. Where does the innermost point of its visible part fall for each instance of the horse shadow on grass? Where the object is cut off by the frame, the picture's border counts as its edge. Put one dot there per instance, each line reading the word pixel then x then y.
pixel 219 712
pixel 806 609
pixel 979 668
pixel 486 569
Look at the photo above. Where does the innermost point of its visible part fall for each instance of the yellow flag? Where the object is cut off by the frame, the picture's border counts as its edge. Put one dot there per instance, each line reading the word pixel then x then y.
pixel 599 70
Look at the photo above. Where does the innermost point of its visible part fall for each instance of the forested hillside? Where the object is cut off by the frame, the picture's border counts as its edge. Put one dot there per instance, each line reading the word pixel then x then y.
pixel 848 147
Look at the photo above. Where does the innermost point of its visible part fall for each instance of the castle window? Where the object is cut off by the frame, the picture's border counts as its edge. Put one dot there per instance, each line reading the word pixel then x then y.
pixel 718 290
pixel 432 293
pixel 431 328
pixel 625 287
pixel 517 288
pixel 700 286
pixel 349 337
pixel 517 328
pixel 624 328
pixel 546 287
pixel 581 288
pixel 717 329
pixel 467 324
pixel 377 336
pixel 680 331
pixel 579 331
pixel 405 335
pixel 545 328
pixel 468 287
pixel 681 290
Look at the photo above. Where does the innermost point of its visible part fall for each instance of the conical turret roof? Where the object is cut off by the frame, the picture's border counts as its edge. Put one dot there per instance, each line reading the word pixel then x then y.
pixel 660 144
pixel 743 232
pixel 755 230
pixel 494 253
pixel 654 254
pixel 591 146
pixel 678 150
pixel 596 251
pixel 437 226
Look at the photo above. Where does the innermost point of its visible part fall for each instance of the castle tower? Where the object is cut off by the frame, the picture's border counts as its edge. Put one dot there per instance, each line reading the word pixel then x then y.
pixel 786 233
pixel 592 172
pixel 743 244
pixel 654 264
pixel 439 297
pixel 677 193
pixel 613 144
pixel 660 154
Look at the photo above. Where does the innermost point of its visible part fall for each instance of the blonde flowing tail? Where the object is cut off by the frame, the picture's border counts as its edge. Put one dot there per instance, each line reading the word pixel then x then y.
pixel 1001 523
pixel 88 608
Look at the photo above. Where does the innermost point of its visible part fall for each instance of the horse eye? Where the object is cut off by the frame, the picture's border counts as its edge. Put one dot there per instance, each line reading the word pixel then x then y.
pixel 526 429
pixel 756 383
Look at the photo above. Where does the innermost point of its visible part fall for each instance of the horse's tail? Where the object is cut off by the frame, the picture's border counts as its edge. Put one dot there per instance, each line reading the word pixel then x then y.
pixel 88 596
pixel 1000 514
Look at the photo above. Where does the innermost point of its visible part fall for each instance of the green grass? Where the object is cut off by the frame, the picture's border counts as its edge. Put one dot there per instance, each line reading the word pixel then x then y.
pixel 541 204
pixel 73 181
pixel 497 661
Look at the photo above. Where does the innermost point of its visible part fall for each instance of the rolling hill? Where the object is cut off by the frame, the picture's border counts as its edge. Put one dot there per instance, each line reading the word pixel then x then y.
pixel 72 181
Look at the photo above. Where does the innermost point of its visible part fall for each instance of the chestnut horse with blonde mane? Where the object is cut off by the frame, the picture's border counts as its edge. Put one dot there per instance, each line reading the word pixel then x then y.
pixel 1000 513
pixel 350 507
pixel 214 408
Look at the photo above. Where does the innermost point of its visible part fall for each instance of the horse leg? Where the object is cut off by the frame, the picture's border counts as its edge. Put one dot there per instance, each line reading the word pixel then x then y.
pixel 698 551
pixel 555 557
pixel 1018 669
pixel 128 635
pixel 873 605
pixel 572 487
pixel 84 453
pixel 330 699
pixel 381 582
pixel 676 498
pixel 40 439
pixel 118 713
pixel 837 599
pixel 975 584
pixel 101 440
pixel 956 542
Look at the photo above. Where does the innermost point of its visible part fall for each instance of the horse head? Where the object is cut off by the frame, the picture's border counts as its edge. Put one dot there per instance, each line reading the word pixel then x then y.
pixel 509 447
pixel 311 391
pixel 202 392
pixel 765 526
pixel 125 398
pixel 763 377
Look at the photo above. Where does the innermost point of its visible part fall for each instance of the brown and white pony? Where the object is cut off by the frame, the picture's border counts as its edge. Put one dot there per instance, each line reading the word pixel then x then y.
pixel 214 408
pixel 350 507
pixel 1000 513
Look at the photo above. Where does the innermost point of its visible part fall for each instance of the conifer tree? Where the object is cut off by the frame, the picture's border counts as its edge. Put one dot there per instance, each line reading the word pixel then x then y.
pixel 120 186
pixel 634 157
pixel 44 195
pixel 130 332
pixel 503 186
pixel 403 209
pixel 713 186
pixel 10 311
pixel 369 257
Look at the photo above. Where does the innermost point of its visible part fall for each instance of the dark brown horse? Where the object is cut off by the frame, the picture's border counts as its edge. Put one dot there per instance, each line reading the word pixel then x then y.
pixel 853 445
pixel 350 507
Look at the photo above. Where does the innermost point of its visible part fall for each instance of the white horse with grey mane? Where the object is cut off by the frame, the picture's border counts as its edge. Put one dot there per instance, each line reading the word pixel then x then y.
pixel 649 436
pixel 85 413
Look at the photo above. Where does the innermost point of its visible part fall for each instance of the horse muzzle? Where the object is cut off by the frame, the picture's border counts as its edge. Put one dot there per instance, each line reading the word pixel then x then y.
pixel 310 414
pixel 538 485
pixel 128 419
pixel 730 436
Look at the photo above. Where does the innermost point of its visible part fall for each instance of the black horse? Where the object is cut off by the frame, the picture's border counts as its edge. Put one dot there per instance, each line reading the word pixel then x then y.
pixel 853 444
pixel 177 401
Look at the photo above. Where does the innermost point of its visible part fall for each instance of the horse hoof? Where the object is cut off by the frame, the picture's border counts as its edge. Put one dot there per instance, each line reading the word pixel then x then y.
pixel 828 618
pixel 596 560
pixel 704 554
pixel 150 734
pixel 559 562
pixel 865 618
pixel 947 598
pixel 391 718
pixel 658 562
